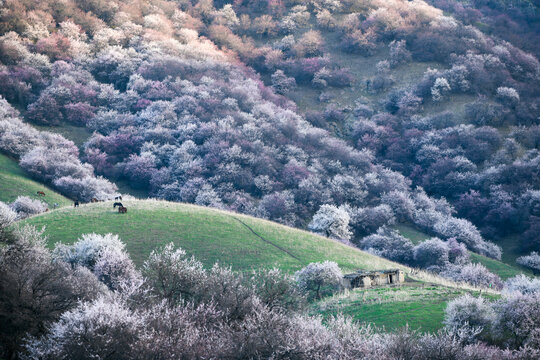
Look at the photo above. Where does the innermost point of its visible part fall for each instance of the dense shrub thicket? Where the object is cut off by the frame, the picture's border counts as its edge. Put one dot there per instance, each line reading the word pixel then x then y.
pixel 516 22
pixel 486 172
pixel 87 301
pixel 186 121
pixel 489 180
pixel 512 321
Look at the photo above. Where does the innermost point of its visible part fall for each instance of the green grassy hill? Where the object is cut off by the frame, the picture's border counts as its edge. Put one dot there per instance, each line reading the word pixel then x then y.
pixel 210 235
pixel 504 270
pixel 15 182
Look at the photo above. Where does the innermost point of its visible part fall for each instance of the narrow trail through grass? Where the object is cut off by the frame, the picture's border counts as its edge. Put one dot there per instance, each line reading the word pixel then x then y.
pixel 267 241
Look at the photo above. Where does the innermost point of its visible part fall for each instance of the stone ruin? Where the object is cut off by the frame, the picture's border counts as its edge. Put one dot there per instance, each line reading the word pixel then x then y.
pixel 366 279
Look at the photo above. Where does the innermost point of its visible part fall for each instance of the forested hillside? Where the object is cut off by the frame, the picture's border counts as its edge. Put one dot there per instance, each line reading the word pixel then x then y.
pixel 175 115
pixel 430 95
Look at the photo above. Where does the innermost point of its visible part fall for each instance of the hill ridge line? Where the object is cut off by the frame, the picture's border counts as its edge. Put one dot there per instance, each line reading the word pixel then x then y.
pixel 267 241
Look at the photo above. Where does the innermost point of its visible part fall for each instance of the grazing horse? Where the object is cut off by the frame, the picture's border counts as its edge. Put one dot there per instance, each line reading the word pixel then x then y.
pixel 94 200
pixel 41 193
pixel 118 198
pixel 122 210
pixel 117 204
pixel 76 204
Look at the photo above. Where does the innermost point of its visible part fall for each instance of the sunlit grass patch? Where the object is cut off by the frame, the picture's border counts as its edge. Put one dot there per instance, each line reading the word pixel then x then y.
pixel 419 306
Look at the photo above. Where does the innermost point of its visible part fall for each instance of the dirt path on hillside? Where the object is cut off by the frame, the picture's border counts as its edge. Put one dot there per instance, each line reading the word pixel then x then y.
pixel 267 241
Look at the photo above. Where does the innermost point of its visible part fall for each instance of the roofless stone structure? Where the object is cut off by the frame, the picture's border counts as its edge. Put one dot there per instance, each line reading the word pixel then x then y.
pixel 367 279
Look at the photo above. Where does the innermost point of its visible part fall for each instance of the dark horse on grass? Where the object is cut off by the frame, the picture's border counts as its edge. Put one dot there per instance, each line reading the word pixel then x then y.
pixel 122 210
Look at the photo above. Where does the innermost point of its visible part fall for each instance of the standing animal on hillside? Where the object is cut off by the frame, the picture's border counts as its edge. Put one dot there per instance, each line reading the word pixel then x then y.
pixel 117 204
pixel 41 193
pixel 94 200
pixel 76 204
pixel 122 210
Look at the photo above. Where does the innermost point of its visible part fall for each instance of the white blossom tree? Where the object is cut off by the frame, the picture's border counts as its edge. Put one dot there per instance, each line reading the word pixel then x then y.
pixel 522 284
pixel 318 279
pixel 532 261
pixel 25 207
pixel 440 88
pixel 104 255
pixel 85 251
pixel 92 330
pixel 474 274
pixel 173 275
pixel 7 215
pixel 472 316
pixel 508 96
pixel 518 320
pixel 331 221
pixel 431 253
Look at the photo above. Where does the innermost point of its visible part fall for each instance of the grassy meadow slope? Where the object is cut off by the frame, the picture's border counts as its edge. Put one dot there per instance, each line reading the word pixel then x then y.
pixel 419 306
pixel 15 182
pixel 246 243
pixel 210 235
pixel 503 269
